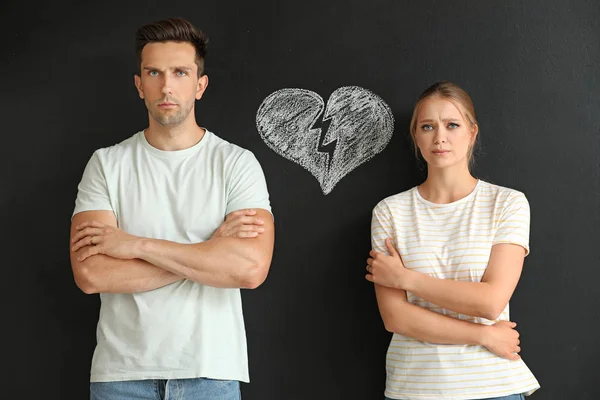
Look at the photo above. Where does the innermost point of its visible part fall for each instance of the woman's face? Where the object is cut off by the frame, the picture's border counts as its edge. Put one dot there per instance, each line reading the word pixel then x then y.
pixel 442 134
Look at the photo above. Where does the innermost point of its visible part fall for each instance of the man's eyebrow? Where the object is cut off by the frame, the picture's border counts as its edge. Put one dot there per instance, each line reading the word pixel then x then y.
pixel 181 67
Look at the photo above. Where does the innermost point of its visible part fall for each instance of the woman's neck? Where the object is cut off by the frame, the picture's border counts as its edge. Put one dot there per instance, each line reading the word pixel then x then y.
pixel 444 186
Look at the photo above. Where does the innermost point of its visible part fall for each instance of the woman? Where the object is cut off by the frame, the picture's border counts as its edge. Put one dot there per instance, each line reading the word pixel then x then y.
pixel 446 258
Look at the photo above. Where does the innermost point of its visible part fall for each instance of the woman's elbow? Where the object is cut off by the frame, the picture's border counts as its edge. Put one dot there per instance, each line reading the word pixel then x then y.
pixel 493 310
pixel 393 325
pixel 389 326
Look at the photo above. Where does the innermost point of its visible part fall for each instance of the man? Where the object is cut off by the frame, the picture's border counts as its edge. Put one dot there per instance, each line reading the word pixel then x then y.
pixel 168 226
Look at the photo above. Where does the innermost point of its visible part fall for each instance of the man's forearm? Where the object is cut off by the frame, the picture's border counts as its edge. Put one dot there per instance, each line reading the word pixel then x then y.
pixel 104 274
pixel 220 262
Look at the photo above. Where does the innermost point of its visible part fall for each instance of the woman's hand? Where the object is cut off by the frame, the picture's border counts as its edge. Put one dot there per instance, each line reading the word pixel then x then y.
pixel 387 270
pixel 502 339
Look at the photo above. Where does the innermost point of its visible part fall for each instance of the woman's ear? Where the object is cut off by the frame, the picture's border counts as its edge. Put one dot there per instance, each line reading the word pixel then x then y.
pixel 475 132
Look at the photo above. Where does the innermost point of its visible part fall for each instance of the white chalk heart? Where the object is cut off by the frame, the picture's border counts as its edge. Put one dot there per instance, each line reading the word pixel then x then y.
pixel 360 125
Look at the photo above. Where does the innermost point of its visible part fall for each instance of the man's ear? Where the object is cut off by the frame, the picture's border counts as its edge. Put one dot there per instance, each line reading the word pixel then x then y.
pixel 202 84
pixel 138 85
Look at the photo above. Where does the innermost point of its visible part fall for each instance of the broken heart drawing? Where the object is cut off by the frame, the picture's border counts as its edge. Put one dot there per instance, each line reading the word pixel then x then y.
pixel 357 125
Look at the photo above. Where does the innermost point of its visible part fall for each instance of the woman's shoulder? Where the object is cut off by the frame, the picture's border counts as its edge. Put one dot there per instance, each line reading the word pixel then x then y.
pixel 398 199
pixel 499 193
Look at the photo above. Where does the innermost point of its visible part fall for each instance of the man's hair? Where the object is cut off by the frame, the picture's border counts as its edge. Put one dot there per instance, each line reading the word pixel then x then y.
pixel 172 30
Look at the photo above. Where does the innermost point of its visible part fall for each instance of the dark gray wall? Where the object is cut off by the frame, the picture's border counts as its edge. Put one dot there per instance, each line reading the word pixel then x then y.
pixel 313 328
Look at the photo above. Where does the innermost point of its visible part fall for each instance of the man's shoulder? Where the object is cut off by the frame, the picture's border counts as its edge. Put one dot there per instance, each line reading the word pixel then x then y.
pixel 225 149
pixel 117 151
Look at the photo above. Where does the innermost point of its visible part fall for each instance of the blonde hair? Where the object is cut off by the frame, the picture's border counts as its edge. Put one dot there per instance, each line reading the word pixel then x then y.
pixel 457 96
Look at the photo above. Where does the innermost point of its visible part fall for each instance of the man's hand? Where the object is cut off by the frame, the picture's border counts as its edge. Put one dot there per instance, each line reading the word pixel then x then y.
pixel 240 224
pixel 387 270
pixel 503 340
pixel 99 238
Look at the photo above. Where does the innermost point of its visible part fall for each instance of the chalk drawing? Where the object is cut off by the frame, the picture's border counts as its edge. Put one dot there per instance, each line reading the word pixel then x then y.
pixel 360 125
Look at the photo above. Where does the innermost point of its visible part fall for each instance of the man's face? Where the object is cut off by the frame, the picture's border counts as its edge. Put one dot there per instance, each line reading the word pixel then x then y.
pixel 169 82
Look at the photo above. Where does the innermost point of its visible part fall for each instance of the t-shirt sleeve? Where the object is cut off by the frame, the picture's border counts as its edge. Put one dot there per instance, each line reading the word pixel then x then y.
pixel 381 228
pixel 92 192
pixel 247 187
pixel 513 226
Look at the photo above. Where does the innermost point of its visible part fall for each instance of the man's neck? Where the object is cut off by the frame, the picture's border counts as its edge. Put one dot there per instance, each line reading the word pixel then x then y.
pixel 179 137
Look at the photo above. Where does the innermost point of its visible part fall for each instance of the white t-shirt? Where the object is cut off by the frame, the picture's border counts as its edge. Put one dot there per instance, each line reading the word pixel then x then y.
pixel 451 241
pixel 185 329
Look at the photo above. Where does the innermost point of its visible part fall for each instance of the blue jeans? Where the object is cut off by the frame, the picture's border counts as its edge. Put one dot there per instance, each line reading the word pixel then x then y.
pixel 511 397
pixel 166 389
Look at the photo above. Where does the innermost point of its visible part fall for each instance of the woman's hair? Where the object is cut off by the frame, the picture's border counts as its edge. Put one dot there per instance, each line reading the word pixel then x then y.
pixel 457 96
pixel 172 30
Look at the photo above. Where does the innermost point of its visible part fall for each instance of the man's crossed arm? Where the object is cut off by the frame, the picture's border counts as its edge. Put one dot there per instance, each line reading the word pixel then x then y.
pixel 106 259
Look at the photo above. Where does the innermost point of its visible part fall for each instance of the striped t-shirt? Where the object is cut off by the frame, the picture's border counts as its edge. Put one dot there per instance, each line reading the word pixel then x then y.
pixel 451 241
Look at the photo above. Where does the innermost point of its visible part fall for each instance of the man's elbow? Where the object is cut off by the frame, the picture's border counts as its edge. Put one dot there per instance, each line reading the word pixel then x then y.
pixel 88 289
pixel 256 274
pixel 84 279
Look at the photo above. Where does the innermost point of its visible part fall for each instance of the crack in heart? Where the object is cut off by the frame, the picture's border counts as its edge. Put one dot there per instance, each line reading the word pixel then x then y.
pixel 361 125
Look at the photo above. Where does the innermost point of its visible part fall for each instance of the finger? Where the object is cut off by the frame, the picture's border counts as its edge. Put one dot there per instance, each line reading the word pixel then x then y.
pixel 513 324
pixel 370 261
pixel 247 234
pixel 242 212
pixel 373 253
pixel 390 248
pixel 90 224
pixel 241 231
pixel 247 211
pixel 251 228
pixel 83 243
pixel 369 277
pixel 251 221
pixel 86 232
pixel 244 220
pixel 90 251
pixel 517 349
pixel 234 214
